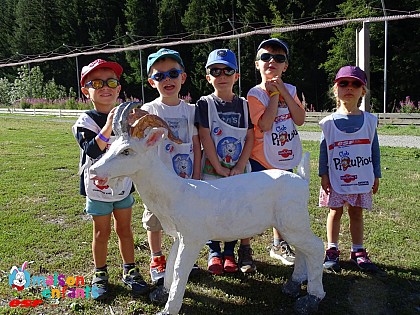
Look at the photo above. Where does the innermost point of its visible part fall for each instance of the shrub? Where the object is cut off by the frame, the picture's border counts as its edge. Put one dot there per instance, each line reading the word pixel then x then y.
pixel 408 106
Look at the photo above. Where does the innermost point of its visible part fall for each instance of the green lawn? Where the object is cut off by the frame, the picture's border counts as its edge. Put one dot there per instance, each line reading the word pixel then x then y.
pixel 41 221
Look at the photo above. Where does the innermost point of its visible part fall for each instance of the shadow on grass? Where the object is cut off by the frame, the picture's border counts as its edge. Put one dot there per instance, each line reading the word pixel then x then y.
pixel 349 292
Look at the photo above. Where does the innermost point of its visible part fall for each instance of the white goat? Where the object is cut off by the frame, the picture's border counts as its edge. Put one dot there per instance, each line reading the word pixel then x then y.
pixel 226 209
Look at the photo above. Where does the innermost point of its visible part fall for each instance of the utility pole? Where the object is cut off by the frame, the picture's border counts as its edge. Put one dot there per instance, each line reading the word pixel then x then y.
pixel 141 69
pixel 232 24
pixel 385 56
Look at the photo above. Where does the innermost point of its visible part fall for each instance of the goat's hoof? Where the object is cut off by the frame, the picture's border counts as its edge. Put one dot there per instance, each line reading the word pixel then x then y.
pixel 307 304
pixel 291 288
pixel 159 296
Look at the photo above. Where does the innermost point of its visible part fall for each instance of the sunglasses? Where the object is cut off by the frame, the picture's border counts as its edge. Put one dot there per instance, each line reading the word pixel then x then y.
pixel 279 58
pixel 99 84
pixel 355 84
pixel 160 76
pixel 216 72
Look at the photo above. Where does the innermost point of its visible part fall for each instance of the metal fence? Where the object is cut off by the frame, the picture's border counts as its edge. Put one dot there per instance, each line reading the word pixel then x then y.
pixel 399 119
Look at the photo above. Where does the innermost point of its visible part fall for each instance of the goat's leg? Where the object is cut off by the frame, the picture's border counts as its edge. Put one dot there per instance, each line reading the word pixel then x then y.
pixel 186 256
pixel 311 249
pixel 300 274
pixel 170 262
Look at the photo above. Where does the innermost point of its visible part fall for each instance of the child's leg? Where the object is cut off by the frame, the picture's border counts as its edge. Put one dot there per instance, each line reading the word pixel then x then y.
pixel 155 242
pixel 215 261
pixel 333 225
pixel 131 274
pixel 358 255
pixel 229 264
pixel 332 254
pixel 356 225
pixel 245 260
pixel 122 225
pixel 101 233
pixel 281 250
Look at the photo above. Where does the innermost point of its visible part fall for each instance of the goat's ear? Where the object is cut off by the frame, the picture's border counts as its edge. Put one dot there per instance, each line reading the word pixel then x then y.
pixel 155 136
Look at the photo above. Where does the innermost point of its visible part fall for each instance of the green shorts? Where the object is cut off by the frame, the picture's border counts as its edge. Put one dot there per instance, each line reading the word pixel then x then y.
pixel 95 207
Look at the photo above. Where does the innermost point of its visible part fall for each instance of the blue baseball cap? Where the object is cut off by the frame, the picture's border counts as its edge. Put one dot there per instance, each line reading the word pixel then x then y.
pixel 223 56
pixel 164 53
pixel 275 42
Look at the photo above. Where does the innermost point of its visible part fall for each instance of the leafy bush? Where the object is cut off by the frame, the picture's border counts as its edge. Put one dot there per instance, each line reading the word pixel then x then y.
pixel 408 106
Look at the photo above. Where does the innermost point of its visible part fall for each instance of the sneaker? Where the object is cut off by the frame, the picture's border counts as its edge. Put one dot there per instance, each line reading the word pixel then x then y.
pixel 284 253
pixel 361 259
pixel 157 269
pixel 229 264
pixel 100 285
pixel 194 271
pixel 245 261
pixel 135 281
pixel 332 259
pixel 215 265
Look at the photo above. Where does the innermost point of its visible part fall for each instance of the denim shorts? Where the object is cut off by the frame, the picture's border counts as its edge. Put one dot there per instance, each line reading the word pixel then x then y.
pixel 95 207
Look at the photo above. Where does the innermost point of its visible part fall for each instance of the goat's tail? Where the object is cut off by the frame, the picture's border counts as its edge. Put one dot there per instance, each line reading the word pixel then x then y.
pixel 304 167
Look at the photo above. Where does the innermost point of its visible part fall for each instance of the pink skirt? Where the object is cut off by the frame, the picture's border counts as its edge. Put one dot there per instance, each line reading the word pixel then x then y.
pixel 336 200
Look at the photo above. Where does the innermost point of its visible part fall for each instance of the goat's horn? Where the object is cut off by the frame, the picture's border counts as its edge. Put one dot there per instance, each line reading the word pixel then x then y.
pixel 150 121
pixel 120 121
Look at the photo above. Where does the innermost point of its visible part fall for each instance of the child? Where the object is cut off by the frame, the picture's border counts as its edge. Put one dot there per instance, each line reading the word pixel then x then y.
pixel 275 110
pixel 166 73
pixel 226 135
pixel 349 166
pixel 93 131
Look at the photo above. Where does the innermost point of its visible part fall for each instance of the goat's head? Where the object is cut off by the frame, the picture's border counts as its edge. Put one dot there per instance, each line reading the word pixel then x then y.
pixel 133 148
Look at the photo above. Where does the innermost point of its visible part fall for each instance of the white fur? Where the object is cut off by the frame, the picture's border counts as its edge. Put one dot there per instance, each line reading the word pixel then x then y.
pixel 226 209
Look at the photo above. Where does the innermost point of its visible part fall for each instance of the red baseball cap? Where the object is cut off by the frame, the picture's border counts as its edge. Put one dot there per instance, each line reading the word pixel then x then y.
pixel 97 64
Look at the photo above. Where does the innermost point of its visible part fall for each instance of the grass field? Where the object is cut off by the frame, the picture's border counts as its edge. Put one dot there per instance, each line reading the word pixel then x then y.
pixel 42 221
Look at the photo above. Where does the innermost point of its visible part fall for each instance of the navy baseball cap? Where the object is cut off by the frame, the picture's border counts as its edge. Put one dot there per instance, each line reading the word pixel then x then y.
pixel 351 72
pixel 223 56
pixel 275 42
pixel 164 53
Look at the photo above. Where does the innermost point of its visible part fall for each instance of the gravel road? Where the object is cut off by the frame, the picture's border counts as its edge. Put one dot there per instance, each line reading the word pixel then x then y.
pixel 384 140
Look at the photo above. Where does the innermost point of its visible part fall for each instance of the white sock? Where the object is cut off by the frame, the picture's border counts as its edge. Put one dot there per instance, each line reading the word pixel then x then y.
pixel 330 245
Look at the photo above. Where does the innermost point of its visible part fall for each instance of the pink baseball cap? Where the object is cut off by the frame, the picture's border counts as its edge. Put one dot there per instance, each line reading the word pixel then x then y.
pixel 351 72
pixel 97 64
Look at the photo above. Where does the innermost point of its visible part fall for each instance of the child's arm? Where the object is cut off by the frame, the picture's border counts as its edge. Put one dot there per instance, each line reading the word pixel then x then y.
pixel 323 165
pixel 376 161
pixel 266 120
pixel 197 157
pixel 246 153
pixel 106 130
pixel 210 151
pixel 293 103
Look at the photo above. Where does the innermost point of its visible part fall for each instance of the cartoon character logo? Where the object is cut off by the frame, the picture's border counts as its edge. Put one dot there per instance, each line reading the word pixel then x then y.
pixel 217 131
pixel 283 137
pixel 345 160
pixel 19 278
pixel 182 165
pixel 229 149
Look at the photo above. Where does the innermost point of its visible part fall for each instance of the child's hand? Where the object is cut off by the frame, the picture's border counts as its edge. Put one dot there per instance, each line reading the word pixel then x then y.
pixel 325 183
pixel 272 85
pixel 375 185
pixel 223 171
pixel 110 118
pixel 236 170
